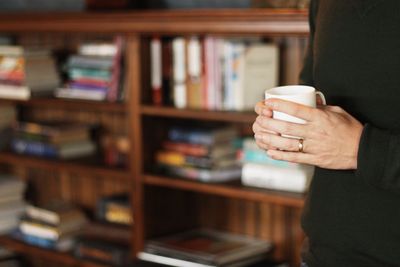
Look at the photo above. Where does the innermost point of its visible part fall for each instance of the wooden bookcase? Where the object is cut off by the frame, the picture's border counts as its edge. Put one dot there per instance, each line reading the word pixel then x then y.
pixel 159 204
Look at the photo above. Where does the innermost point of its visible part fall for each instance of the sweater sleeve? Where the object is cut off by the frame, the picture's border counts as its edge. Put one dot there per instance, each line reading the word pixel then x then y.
pixel 306 74
pixel 379 158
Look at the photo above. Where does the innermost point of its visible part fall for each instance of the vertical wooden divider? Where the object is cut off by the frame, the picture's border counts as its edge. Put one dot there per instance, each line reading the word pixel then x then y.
pixel 133 76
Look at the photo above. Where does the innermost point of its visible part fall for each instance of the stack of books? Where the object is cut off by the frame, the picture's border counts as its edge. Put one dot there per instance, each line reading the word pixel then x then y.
pixel 206 154
pixel 115 209
pixel 95 73
pixel 59 140
pixel 26 73
pixel 7 119
pixel 12 204
pixel 213 73
pixel 205 248
pixel 54 226
pixel 259 170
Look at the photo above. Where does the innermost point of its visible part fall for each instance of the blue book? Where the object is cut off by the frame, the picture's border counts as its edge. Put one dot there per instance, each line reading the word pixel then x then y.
pixel 33 148
pixel 206 137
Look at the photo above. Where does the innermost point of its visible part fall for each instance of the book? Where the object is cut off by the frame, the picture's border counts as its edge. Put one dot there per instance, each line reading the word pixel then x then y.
pixel 11 186
pixel 53 131
pixel 102 252
pixel 179 159
pixel 194 71
pixel 202 136
pixel 42 149
pixel 277 178
pixel 214 151
pixel 204 175
pixel 83 94
pixel 64 244
pixel 179 72
pixel 55 139
pixel 90 62
pixel 156 70
pixel 54 212
pixel 115 209
pixel 204 247
pixel 261 71
pixel 46 231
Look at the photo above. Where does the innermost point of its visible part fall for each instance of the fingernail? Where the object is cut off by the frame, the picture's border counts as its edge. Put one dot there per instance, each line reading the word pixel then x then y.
pixel 269 104
pixel 266 112
pixel 258 136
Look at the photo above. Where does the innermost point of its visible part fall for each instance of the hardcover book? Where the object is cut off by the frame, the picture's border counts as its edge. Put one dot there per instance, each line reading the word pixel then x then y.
pixel 207 248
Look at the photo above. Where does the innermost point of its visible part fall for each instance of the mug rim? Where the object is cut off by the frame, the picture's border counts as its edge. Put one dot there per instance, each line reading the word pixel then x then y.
pixel 310 90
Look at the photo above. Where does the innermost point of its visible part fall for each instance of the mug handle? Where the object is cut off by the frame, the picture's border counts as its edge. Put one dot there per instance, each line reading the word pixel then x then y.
pixel 321 95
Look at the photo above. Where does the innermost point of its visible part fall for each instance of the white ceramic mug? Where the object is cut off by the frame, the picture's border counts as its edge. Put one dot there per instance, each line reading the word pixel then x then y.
pixel 301 94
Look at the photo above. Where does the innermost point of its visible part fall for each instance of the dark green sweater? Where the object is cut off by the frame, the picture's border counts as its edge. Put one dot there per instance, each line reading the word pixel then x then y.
pixel 352 218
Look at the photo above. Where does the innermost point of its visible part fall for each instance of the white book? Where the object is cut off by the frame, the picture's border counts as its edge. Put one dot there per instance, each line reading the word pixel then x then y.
pixel 72 93
pixel 277 178
pixel 169 260
pixel 15 92
pixel 179 72
pixel 156 64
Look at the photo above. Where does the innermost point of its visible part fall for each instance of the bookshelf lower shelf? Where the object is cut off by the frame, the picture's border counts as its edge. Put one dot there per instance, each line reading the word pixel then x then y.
pixel 60 257
pixel 59 165
pixel 232 190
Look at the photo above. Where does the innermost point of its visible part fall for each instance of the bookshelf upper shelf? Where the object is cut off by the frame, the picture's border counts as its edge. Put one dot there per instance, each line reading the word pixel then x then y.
pixel 224 21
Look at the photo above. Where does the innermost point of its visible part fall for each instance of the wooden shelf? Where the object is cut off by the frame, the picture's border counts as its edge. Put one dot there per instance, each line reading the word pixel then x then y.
pixel 227 116
pixel 230 21
pixel 232 190
pixel 59 165
pixel 51 255
pixel 69 104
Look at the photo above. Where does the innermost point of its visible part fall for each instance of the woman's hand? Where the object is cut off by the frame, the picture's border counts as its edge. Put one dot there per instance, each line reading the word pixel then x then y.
pixel 330 135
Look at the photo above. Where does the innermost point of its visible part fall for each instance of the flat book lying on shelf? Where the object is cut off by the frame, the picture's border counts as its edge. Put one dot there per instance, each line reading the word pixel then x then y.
pixel 205 248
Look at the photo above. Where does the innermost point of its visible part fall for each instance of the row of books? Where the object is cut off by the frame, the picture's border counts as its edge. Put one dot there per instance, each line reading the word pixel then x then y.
pixel 94 73
pixel 207 72
pixel 201 154
pixel 212 73
pixel 218 155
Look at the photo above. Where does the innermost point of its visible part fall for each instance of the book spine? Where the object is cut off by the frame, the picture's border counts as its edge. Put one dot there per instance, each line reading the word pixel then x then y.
pixel 185 148
pixel 194 73
pixel 179 72
pixel 156 70
pixel 191 137
pixel 34 148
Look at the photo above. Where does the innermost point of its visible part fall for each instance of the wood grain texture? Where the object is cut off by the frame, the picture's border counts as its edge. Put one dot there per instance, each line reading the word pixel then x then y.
pixel 252 21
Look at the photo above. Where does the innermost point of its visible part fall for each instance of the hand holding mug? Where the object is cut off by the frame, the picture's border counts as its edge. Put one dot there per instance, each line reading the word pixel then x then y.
pixel 330 136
